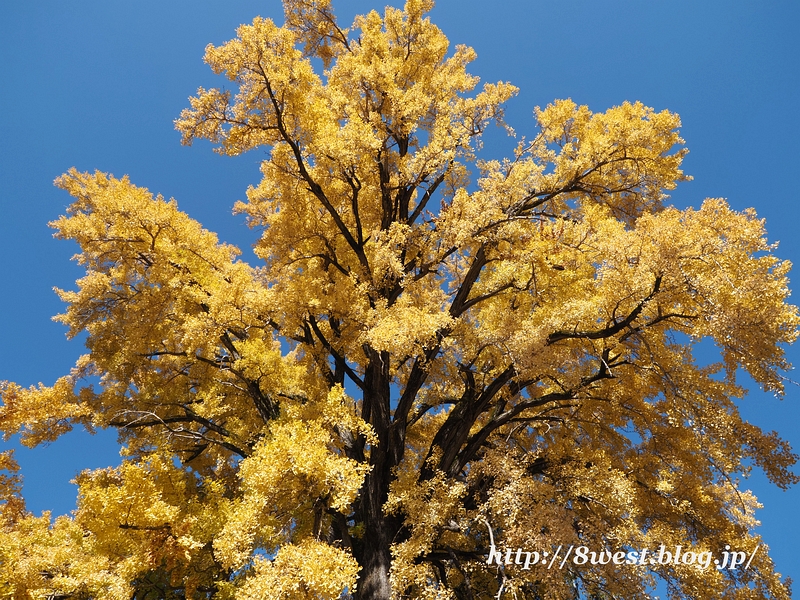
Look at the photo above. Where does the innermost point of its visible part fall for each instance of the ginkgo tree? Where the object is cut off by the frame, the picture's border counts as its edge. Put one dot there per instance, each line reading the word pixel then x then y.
pixel 437 356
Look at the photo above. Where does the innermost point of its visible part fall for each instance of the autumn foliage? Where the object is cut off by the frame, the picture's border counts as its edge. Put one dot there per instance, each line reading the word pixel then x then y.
pixel 431 346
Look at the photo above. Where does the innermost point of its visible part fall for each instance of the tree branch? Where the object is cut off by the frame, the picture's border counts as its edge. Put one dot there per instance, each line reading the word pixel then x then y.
pixel 606 331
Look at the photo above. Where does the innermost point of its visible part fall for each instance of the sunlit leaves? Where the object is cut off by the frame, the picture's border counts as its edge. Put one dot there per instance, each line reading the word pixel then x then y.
pixel 421 363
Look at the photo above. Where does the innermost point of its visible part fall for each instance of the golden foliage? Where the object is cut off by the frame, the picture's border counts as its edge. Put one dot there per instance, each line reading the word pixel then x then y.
pixel 420 362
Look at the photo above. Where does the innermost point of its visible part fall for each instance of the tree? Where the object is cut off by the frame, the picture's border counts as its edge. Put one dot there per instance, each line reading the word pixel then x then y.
pixel 422 367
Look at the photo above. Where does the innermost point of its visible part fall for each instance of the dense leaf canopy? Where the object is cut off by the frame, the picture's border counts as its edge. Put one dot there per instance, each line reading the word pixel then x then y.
pixel 437 353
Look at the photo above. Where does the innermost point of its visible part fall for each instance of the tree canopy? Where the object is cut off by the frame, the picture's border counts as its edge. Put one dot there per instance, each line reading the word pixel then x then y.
pixel 435 354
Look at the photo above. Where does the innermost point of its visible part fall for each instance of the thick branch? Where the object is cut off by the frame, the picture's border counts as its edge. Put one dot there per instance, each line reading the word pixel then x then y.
pixel 477 440
pixel 425 198
pixel 339 358
pixel 610 330
pixel 455 430
pixel 460 301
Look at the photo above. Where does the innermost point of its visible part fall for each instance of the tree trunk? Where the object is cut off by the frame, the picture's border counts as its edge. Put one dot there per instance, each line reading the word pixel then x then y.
pixel 379 531
pixel 373 582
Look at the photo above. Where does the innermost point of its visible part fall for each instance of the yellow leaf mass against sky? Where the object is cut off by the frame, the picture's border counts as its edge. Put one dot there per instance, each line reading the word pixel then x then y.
pixel 433 348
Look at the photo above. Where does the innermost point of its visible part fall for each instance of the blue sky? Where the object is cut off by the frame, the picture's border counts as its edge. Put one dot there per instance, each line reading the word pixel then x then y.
pixel 96 85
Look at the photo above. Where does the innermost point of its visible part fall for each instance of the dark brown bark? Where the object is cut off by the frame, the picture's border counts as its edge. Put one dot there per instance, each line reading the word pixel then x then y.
pixel 373 583
pixel 374 554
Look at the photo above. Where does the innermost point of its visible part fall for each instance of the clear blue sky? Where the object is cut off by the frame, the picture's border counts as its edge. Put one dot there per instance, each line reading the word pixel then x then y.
pixel 97 84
